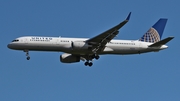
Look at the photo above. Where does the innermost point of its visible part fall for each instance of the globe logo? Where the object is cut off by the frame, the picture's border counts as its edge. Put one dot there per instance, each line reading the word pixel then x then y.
pixel 151 36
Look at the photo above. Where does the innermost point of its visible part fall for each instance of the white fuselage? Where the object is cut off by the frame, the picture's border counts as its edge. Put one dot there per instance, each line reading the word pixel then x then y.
pixel 59 44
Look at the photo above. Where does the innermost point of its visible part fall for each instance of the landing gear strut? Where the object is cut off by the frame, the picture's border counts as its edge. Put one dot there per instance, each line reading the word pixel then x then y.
pixel 27 54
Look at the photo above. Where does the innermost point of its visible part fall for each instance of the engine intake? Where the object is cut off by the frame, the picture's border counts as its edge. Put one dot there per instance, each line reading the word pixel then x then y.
pixel 69 58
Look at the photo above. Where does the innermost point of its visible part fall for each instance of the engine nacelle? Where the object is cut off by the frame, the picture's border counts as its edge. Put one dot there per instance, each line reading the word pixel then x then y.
pixel 80 45
pixel 69 58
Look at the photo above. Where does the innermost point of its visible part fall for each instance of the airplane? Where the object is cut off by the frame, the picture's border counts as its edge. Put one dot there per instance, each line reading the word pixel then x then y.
pixel 88 49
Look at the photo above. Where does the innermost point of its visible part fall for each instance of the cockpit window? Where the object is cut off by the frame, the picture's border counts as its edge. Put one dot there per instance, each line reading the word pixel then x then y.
pixel 15 40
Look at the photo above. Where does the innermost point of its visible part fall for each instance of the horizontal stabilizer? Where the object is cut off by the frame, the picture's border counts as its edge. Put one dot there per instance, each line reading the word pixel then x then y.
pixel 162 42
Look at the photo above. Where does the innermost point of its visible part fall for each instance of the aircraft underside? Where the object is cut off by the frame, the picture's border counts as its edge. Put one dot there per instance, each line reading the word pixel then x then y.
pixel 71 55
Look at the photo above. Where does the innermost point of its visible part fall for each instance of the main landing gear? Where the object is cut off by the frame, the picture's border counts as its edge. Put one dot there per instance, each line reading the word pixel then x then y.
pixel 96 57
pixel 27 54
pixel 87 63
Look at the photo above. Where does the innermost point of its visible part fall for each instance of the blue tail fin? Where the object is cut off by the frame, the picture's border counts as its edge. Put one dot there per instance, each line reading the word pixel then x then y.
pixel 154 34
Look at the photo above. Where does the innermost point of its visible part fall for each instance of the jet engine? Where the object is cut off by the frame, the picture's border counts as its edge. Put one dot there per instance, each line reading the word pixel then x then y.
pixel 69 58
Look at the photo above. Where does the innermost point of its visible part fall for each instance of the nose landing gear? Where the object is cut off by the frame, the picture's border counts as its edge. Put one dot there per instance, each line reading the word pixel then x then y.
pixel 27 54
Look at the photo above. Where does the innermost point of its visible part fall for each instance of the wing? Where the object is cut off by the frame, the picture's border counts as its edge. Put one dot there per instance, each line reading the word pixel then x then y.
pixel 98 42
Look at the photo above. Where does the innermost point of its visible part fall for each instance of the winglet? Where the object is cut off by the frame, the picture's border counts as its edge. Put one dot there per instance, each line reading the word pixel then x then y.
pixel 128 17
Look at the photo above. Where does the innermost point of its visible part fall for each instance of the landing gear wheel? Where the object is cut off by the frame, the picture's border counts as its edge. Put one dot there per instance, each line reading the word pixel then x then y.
pixel 86 63
pixel 90 64
pixel 28 58
pixel 97 57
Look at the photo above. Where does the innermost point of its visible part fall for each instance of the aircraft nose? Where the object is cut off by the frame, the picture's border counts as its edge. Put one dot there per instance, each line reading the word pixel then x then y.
pixel 9 46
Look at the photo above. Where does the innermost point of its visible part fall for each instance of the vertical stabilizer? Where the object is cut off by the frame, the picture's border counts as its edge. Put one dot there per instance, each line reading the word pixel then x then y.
pixel 154 34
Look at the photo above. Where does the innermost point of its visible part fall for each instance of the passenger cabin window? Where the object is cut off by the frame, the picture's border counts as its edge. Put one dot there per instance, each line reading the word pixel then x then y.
pixel 15 40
